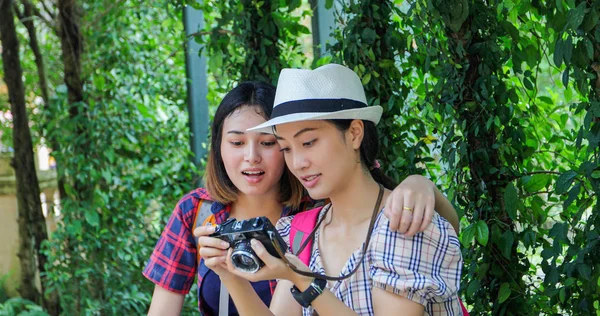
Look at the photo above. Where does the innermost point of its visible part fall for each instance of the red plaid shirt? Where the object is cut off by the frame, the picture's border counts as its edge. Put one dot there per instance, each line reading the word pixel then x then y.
pixel 174 262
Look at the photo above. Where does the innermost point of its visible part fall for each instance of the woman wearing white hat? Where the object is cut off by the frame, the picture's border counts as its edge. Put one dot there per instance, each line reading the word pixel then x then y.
pixel 328 136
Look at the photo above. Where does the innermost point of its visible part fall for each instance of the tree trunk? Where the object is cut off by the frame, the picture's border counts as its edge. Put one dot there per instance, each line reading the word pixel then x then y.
pixel 28 18
pixel 28 191
pixel 69 32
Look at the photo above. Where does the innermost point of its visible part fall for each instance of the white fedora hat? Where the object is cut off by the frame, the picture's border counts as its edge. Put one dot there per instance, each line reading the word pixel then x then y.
pixel 328 92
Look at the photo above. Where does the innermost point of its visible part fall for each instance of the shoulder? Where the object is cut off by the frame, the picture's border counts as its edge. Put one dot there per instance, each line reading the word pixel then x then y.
pixel 438 234
pixel 424 268
pixel 283 225
pixel 186 206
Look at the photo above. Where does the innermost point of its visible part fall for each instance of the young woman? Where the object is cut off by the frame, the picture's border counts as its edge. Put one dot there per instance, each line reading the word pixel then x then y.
pixel 329 140
pixel 246 177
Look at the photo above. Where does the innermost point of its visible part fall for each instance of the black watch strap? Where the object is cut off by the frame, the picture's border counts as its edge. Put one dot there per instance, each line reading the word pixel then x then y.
pixel 312 292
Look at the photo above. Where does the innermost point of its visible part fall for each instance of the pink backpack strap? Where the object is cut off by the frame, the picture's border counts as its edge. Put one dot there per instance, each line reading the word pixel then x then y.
pixel 302 225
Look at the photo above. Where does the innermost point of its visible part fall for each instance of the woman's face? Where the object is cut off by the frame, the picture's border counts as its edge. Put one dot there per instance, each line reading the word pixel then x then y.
pixel 319 155
pixel 252 160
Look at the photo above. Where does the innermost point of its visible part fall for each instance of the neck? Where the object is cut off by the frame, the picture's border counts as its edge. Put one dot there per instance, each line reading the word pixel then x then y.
pixel 247 206
pixel 354 203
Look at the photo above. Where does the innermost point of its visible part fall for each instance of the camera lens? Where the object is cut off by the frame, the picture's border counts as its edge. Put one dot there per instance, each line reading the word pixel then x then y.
pixel 244 259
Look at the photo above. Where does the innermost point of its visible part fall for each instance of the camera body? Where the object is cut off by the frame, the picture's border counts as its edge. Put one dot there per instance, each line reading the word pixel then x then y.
pixel 239 233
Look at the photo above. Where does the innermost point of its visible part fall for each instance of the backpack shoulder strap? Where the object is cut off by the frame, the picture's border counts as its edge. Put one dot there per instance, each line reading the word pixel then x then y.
pixel 301 227
pixel 203 215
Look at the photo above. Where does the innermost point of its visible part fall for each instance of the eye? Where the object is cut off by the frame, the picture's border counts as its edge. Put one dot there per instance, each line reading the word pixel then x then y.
pixel 236 144
pixel 285 150
pixel 269 144
pixel 309 143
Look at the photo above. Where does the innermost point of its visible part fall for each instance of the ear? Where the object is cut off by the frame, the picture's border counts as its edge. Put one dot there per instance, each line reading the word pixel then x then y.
pixel 356 133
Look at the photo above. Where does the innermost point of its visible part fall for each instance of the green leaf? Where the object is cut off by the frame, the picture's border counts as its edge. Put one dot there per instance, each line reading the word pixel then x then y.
pixel 92 218
pixel 369 36
pixel 504 292
pixel 568 50
pixel 473 287
pixel 99 82
pixel 596 174
pixel 366 79
pixel 576 15
pixel 537 182
pixel 565 77
pixel 506 243
pixel 328 4
pixel 585 271
pixel 483 233
pixel 467 235
pixel 558 53
pixel 510 201
pixel 564 181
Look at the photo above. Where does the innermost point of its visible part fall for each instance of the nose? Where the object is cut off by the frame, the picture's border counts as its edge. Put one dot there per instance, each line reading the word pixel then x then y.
pixel 251 153
pixel 299 161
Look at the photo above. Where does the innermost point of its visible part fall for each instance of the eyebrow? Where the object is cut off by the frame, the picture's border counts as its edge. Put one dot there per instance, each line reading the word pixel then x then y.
pixel 304 130
pixel 242 133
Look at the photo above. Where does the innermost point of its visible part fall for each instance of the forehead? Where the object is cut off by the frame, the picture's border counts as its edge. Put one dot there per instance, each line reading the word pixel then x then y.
pixel 243 118
pixel 289 130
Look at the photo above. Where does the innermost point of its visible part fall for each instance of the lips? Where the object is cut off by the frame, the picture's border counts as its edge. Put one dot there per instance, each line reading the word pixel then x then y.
pixel 311 180
pixel 253 175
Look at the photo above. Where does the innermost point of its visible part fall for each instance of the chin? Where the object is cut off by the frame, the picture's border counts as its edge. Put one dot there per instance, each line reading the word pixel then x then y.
pixel 317 194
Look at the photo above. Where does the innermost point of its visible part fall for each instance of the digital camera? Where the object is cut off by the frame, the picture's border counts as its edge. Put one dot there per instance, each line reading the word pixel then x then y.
pixel 239 233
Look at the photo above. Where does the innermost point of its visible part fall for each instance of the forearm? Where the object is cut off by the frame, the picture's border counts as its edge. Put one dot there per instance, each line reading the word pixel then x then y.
pixel 326 303
pixel 244 297
pixel 445 209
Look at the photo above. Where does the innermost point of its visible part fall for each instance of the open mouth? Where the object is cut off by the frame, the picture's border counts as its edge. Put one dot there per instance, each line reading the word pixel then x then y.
pixel 310 178
pixel 253 173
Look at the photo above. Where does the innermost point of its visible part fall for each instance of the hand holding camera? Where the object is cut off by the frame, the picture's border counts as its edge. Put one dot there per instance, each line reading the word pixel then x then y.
pixel 246 249
pixel 238 235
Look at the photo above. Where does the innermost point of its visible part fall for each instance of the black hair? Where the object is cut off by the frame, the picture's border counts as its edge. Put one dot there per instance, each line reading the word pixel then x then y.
pixel 369 148
pixel 258 95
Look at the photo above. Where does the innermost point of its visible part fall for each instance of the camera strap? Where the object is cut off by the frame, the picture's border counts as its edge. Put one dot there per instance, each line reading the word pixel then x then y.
pixel 312 235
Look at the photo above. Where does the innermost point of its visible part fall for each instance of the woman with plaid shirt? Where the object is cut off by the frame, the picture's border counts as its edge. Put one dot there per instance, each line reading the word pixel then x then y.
pixel 329 139
pixel 246 177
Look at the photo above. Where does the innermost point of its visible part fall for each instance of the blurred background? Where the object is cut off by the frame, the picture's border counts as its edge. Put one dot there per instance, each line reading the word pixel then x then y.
pixel 105 108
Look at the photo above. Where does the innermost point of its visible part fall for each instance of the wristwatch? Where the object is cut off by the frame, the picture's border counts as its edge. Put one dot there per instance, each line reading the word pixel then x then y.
pixel 312 292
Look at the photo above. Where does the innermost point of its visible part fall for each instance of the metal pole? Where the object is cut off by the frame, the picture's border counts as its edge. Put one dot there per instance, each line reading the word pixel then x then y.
pixel 322 24
pixel 197 87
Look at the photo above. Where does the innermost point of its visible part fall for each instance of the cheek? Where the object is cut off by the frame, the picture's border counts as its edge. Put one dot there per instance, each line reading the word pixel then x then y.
pixel 229 156
pixel 274 158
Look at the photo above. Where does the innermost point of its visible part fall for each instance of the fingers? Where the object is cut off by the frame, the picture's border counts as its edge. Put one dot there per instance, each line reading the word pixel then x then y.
pixel 429 210
pixel 208 252
pixel 204 231
pixel 205 241
pixel 393 210
pixel 417 217
pixel 262 253
pixel 215 262
pixel 406 215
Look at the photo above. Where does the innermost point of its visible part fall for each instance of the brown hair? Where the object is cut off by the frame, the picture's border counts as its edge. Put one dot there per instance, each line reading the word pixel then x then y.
pixel 261 96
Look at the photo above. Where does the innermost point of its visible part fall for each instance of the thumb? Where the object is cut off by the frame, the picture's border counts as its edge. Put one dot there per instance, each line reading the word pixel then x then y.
pixel 297 262
pixel 262 253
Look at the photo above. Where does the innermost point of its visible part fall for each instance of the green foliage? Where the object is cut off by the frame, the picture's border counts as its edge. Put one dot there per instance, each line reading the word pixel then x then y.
pixel 572 260
pixel 133 127
pixel 370 44
pixel 17 306
pixel 504 95
pixel 251 40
